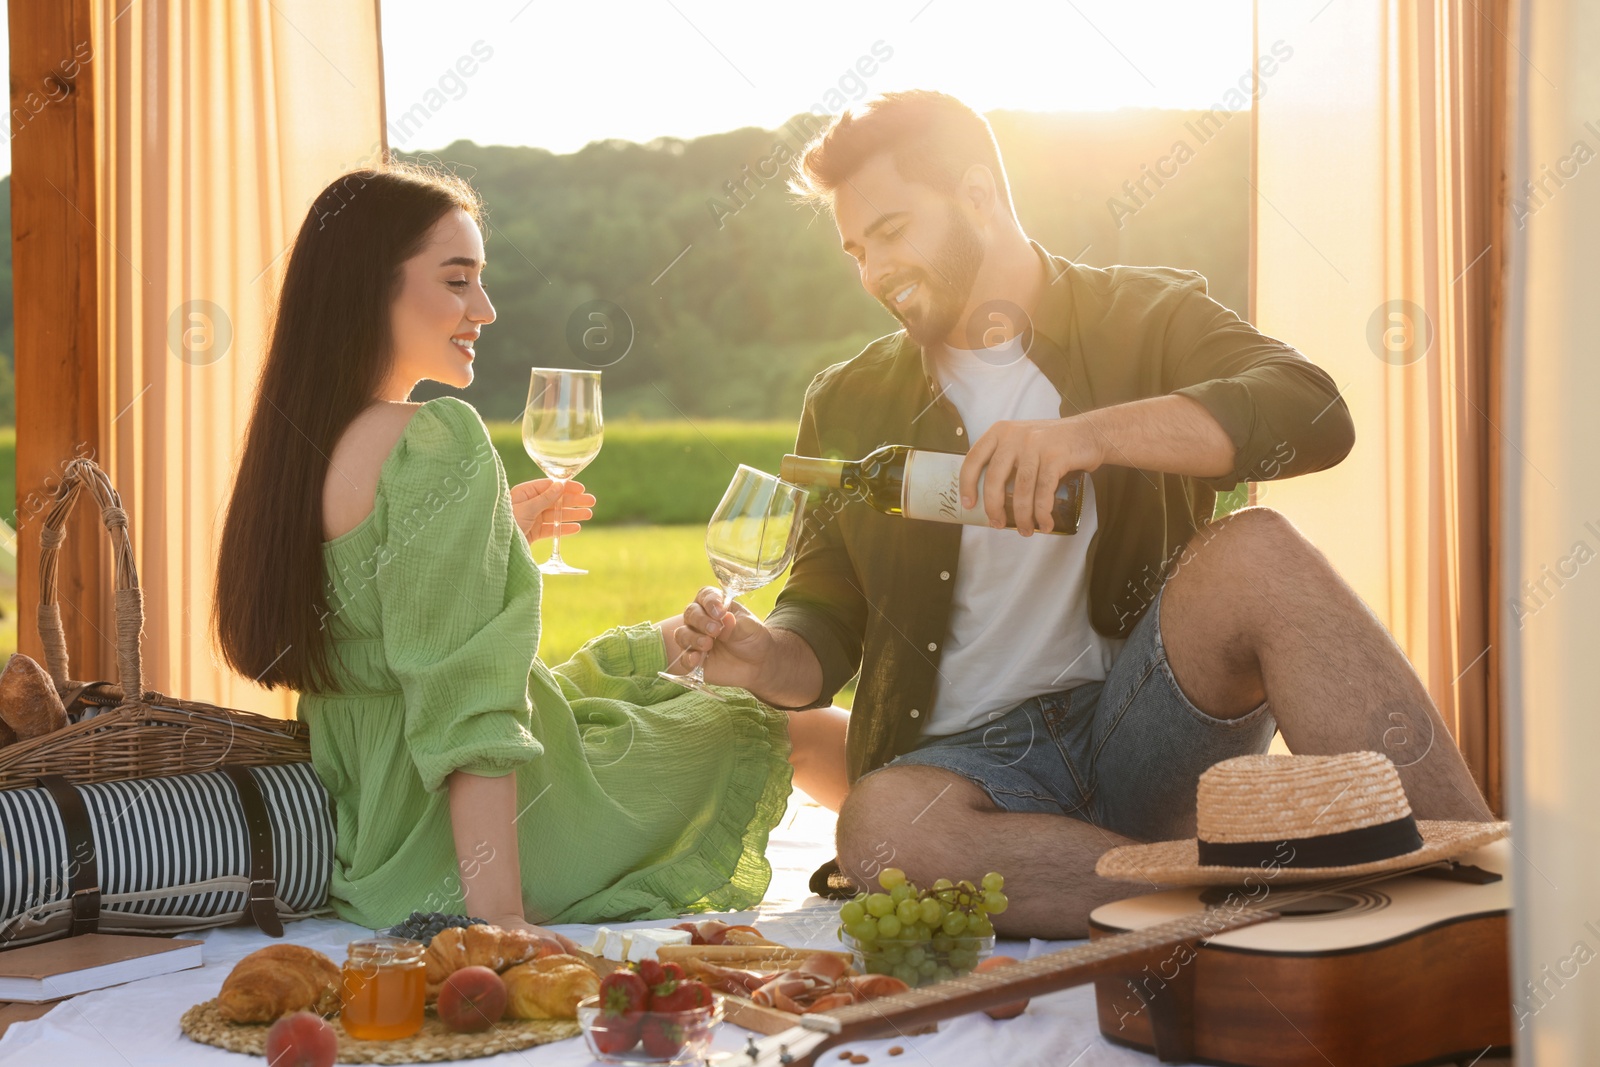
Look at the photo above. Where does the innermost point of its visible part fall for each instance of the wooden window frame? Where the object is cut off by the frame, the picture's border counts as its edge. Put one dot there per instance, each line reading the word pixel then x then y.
pixel 55 248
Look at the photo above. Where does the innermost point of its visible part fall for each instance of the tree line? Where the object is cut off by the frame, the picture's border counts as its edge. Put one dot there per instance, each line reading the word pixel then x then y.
pixel 686 269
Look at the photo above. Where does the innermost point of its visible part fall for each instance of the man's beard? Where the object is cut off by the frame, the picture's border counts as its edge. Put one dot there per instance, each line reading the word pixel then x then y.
pixel 948 277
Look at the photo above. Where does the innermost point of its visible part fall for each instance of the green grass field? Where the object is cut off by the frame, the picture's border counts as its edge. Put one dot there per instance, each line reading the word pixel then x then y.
pixel 636 573
pixel 650 477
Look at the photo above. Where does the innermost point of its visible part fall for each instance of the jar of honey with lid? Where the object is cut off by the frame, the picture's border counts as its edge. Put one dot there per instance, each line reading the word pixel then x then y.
pixel 384 988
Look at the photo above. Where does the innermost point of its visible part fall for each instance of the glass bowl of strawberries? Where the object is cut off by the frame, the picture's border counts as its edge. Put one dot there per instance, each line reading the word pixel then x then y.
pixel 650 1012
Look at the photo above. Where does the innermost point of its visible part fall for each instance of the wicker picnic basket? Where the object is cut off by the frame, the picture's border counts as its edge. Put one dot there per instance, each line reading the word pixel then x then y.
pixel 124 731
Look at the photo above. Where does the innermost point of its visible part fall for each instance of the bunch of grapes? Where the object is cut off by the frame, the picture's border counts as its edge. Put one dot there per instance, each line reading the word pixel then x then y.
pixel 923 935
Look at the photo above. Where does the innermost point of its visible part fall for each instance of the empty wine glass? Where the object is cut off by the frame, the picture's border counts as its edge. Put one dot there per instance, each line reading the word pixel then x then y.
pixel 562 430
pixel 750 541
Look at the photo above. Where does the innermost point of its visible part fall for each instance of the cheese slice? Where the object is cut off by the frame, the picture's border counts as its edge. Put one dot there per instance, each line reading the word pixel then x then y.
pixel 646 942
pixel 612 944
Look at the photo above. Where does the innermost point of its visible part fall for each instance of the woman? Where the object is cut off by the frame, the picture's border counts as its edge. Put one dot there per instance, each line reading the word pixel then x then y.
pixel 374 560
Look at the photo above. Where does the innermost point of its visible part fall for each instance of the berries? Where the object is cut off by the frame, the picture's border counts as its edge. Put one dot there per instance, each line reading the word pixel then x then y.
pixel 650 971
pixel 613 1036
pixel 684 996
pixel 422 925
pixel 647 1005
pixel 663 1038
pixel 622 994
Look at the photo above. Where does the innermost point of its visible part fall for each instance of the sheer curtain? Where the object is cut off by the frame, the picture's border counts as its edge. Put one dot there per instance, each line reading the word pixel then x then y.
pixel 1378 210
pixel 218 121
pixel 1550 597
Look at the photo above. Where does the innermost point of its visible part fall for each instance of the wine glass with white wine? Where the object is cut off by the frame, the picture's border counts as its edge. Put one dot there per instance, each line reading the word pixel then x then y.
pixel 562 430
pixel 750 540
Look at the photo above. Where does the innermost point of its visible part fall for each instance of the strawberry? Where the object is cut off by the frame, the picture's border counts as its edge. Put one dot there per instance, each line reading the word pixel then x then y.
pixel 650 971
pixel 623 998
pixel 612 1036
pixel 623 994
pixel 685 996
pixel 662 978
pixel 663 1038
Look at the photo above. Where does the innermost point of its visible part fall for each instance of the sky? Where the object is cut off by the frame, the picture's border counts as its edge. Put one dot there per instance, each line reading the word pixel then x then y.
pixel 558 74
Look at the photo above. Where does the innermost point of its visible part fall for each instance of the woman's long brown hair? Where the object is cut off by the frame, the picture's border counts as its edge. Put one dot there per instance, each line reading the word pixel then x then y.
pixel 328 358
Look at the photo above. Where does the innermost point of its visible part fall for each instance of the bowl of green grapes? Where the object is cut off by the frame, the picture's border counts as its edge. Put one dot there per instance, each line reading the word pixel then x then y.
pixel 922 936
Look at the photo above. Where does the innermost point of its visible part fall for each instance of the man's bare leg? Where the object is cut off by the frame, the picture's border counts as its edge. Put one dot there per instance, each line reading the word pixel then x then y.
pixel 1253 609
pixel 1255 612
pixel 933 823
pixel 816 752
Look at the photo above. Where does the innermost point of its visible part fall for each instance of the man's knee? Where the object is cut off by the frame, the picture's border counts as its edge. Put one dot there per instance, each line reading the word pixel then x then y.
pixel 1254 528
pixel 1255 538
pixel 901 817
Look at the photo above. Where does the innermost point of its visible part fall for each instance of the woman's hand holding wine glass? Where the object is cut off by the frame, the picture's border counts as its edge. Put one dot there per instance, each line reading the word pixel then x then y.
pixel 544 507
pixel 562 430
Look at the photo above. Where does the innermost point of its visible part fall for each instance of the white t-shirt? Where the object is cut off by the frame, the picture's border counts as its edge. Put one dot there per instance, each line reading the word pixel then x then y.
pixel 1019 624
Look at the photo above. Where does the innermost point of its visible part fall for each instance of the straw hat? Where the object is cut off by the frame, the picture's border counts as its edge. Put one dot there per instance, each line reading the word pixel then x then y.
pixel 1298 819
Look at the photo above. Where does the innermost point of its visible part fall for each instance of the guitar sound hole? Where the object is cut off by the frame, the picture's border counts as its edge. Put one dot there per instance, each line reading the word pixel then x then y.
pixel 1305 909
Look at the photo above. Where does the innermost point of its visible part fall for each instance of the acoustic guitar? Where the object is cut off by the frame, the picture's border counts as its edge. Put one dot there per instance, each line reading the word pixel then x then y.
pixel 1401 968
pixel 1378 972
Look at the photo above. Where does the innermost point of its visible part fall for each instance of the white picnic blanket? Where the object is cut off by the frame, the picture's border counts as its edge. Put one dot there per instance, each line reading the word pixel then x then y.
pixel 137 1024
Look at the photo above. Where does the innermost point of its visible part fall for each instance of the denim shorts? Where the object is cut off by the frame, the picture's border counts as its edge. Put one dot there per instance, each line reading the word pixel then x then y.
pixel 1124 754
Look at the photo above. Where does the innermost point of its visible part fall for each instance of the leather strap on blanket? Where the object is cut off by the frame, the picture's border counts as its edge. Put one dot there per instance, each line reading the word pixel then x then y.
pixel 263 882
pixel 83 868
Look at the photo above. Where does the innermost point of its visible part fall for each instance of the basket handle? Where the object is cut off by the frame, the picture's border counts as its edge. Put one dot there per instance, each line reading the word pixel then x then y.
pixel 83 472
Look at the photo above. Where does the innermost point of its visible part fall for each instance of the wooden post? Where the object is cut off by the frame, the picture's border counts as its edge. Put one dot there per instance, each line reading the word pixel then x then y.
pixel 55 250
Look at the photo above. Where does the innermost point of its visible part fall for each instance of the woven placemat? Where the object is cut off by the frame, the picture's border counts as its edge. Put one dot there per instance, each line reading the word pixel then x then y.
pixel 436 1043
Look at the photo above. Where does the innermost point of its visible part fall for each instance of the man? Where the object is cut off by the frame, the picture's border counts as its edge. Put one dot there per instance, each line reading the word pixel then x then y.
pixel 1026 702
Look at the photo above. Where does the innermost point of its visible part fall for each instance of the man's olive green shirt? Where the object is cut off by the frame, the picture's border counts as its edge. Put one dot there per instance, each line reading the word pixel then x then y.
pixel 872 592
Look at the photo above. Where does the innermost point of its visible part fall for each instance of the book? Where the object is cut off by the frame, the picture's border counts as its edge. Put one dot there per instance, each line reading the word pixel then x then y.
pixel 72 965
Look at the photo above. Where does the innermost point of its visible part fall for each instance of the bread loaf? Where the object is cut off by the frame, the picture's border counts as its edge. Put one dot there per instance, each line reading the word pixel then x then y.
pixel 277 980
pixel 29 703
pixel 549 987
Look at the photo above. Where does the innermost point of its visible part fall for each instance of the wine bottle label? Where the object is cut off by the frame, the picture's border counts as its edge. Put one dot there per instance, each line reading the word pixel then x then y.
pixel 932 490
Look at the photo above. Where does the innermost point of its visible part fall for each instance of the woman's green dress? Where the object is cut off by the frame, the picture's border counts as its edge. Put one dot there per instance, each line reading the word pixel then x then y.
pixel 637 798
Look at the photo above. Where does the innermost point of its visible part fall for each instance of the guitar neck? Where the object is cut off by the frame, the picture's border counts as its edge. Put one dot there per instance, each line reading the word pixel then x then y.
pixel 896 1014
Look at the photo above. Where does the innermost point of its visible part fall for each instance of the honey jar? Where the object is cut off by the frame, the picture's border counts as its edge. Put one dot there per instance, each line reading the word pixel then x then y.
pixel 383 989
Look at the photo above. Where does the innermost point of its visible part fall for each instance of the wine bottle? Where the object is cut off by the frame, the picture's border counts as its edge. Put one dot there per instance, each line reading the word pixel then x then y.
pixel 918 484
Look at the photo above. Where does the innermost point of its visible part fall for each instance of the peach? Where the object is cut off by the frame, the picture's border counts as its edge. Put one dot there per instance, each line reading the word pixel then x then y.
pixel 1004 1011
pixel 471 999
pixel 549 946
pixel 302 1040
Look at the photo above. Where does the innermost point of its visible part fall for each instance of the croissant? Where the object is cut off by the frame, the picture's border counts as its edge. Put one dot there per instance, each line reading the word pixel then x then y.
pixel 274 981
pixel 549 987
pixel 479 945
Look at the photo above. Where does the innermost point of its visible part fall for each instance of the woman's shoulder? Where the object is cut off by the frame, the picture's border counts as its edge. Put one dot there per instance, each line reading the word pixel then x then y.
pixel 388 438
pixel 446 429
pixel 447 416
pixel 393 430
